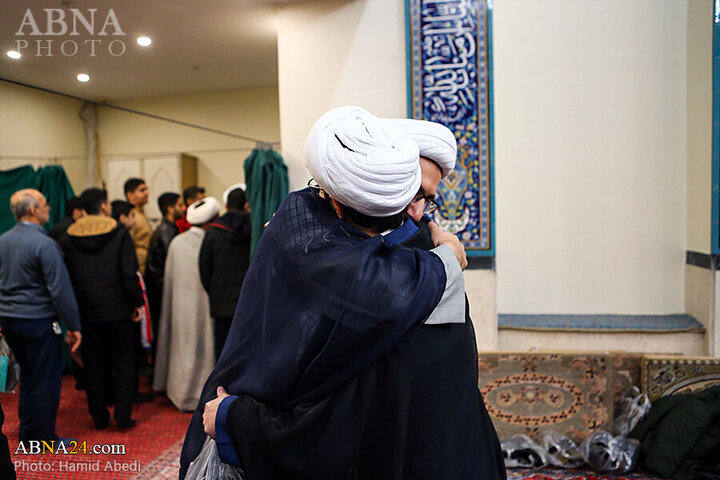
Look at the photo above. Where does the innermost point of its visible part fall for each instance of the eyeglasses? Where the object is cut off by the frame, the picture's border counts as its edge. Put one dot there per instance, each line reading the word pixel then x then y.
pixel 316 188
pixel 430 203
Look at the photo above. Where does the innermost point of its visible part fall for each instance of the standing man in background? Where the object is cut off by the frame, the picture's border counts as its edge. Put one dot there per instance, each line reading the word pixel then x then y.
pixel 191 194
pixel 73 211
pixel 35 290
pixel 137 192
pixel 224 259
pixel 103 269
pixel 172 210
pixel 185 353
pixel 123 213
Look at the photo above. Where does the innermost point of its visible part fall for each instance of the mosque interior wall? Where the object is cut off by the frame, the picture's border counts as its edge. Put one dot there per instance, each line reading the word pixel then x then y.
pixel 332 54
pixel 248 112
pixel 590 137
pixel 699 299
pixel 699 125
pixel 700 287
pixel 37 127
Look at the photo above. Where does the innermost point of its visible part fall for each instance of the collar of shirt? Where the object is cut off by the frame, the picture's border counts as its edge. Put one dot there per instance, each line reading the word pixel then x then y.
pixel 402 233
pixel 33 225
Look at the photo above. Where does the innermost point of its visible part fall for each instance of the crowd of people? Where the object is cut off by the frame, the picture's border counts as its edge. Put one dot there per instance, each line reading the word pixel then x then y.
pixel 120 291
pixel 344 350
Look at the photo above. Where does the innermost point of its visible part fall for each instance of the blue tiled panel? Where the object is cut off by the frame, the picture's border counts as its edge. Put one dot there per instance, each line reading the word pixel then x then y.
pixel 450 57
pixel 607 323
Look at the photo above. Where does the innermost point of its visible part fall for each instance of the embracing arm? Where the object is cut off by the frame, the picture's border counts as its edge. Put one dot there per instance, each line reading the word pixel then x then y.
pixel 215 424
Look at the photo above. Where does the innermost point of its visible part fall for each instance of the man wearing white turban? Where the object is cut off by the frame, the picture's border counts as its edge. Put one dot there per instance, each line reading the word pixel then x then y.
pixel 323 373
pixel 185 351
pixel 438 153
pixel 369 167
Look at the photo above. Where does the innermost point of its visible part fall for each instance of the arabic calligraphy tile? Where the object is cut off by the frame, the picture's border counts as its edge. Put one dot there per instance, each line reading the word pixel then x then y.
pixel 450 84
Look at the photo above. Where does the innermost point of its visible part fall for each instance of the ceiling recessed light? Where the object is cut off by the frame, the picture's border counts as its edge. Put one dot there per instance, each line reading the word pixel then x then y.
pixel 14 54
pixel 144 41
pixel 83 77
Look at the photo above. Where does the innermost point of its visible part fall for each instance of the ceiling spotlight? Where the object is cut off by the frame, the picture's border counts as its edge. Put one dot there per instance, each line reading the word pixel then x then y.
pixel 144 41
pixel 13 54
pixel 83 77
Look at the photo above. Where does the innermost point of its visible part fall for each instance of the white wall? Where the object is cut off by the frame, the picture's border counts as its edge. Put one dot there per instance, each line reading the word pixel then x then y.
pixel 340 53
pixel 590 136
pixel 37 124
pixel 699 282
pixel 332 54
pixel 699 124
pixel 248 112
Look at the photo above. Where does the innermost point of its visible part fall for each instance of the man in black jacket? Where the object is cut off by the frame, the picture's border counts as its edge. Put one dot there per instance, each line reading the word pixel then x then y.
pixel 224 259
pixel 100 256
pixel 73 211
pixel 172 210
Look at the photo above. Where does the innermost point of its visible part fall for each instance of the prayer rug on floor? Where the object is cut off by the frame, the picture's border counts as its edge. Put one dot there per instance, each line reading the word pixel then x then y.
pixel 664 375
pixel 152 448
pixel 625 373
pixel 526 393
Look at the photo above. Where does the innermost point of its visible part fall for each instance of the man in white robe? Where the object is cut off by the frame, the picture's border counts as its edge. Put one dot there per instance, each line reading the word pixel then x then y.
pixel 185 352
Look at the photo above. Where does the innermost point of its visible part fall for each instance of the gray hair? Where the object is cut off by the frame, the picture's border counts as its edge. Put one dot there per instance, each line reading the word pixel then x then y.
pixel 21 203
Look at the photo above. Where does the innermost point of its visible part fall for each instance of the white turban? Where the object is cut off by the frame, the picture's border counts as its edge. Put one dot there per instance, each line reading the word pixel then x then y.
pixel 202 211
pixel 229 190
pixel 362 163
pixel 435 140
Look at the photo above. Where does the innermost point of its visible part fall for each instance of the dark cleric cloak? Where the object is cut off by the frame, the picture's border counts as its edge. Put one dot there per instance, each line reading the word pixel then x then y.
pixel 320 302
pixel 414 413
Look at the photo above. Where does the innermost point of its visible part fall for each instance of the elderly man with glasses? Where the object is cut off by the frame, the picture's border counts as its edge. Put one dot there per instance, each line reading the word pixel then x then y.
pixel 35 292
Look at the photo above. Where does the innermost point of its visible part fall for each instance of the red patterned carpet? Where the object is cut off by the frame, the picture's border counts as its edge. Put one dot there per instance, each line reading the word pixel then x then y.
pixel 561 474
pixel 152 448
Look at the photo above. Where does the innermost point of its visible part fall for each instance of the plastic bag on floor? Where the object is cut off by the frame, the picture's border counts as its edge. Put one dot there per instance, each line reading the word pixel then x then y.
pixel 208 466
pixel 9 368
pixel 605 453
pixel 521 451
pixel 632 409
pixel 561 450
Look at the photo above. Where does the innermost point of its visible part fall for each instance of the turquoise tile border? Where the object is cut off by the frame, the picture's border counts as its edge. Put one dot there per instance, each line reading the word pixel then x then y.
pixel 449 80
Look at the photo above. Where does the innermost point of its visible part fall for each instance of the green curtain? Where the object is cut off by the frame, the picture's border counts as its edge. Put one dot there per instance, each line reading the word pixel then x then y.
pixel 51 181
pixel 10 182
pixel 266 177
pixel 54 184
